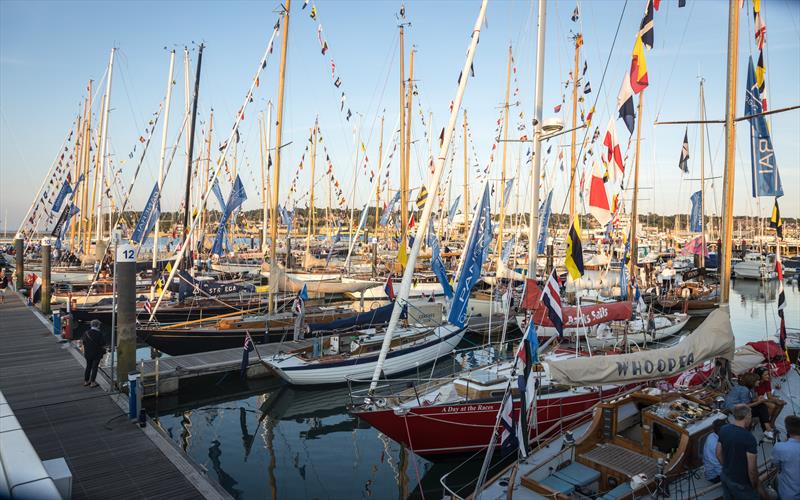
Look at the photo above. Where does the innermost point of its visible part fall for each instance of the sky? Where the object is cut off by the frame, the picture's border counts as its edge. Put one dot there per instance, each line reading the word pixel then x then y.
pixel 49 50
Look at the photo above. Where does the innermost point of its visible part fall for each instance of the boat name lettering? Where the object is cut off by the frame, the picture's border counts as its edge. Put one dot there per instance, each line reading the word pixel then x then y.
pixel 465 408
pixel 594 315
pixel 649 367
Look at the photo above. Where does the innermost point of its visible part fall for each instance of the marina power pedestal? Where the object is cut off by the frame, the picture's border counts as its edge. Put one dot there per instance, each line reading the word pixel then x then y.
pixel 133 395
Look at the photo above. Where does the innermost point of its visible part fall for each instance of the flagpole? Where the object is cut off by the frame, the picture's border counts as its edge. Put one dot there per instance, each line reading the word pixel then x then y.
pixel 408 272
pixel 273 223
pixel 466 173
pixel 265 209
pixel 702 179
pixel 402 138
pixel 572 158
pixel 187 214
pixel 635 202
pixel 730 152
pixel 503 165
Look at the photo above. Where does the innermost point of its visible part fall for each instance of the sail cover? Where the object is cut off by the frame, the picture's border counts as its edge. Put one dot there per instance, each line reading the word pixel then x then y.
pixel 712 339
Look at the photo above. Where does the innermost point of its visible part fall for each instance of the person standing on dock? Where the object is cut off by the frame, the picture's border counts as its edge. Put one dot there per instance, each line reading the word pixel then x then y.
pixel 3 286
pixel 737 452
pixel 786 457
pixel 94 348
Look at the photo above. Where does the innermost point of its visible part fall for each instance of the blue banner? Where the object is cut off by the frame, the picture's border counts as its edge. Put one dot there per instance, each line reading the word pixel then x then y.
pixel 218 193
pixel 475 253
pixel 62 195
pixel 235 200
pixel 150 214
pixel 507 191
pixel 766 178
pixel 287 217
pixel 695 219
pixel 453 210
pixel 507 249
pixel 336 239
pixel 544 221
pixel 436 262
pixel 390 208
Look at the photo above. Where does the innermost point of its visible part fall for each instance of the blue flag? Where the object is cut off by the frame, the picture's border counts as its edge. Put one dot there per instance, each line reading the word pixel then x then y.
pixel 695 220
pixel 62 195
pixel 437 266
pixel 390 208
pixel 544 220
pixel 507 249
pixel 218 193
pixel 766 178
pixel 507 190
pixel 150 214
pixel 287 217
pixel 475 254
pixel 235 200
pixel 453 210
pixel 304 293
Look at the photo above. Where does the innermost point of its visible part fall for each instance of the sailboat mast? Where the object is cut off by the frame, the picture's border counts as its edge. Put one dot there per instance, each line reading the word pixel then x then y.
pixel 93 222
pixel 187 222
pixel 207 173
pixel 533 221
pixel 466 172
pixel 162 158
pixel 85 225
pixel 409 120
pixel 103 144
pixel 273 223
pixel 726 227
pixel 80 143
pixel 505 147
pixel 265 197
pixel 635 202
pixel 378 180
pixel 408 273
pixel 702 177
pixel 402 139
pixel 572 158
pixel 311 209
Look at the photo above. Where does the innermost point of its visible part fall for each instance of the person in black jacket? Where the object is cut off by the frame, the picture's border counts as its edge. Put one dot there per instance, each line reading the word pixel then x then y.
pixel 94 348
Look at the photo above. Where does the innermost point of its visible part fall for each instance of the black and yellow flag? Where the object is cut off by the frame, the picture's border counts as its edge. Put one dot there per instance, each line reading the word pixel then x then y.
pixel 775 221
pixel 422 197
pixel 574 260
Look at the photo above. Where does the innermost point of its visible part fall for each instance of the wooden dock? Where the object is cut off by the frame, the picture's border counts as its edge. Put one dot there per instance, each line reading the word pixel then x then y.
pixel 108 456
pixel 167 373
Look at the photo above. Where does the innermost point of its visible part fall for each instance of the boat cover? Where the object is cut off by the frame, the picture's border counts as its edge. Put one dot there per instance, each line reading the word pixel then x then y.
pixel 374 317
pixel 712 339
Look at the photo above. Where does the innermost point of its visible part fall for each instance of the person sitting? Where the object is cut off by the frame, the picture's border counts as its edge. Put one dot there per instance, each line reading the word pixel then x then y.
pixel 711 466
pixel 786 457
pixel 764 391
pixel 743 393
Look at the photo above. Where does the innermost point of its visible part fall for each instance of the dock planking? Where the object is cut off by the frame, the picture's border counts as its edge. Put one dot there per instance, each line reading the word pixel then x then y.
pixel 108 456
pixel 170 371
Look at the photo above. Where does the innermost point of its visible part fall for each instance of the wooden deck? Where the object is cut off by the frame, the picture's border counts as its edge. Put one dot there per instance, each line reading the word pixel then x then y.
pixel 170 371
pixel 108 456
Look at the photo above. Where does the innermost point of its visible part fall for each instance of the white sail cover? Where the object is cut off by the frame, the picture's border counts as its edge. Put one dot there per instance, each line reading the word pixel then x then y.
pixel 712 339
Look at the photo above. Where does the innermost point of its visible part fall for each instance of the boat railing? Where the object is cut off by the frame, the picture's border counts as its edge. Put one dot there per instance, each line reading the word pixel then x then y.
pixel 392 393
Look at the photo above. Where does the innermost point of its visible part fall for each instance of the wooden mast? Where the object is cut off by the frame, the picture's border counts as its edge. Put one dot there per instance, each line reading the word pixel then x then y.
pixel 702 178
pixel 572 158
pixel 203 213
pixel 726 227
pixel 311 209
pixel 97 175
pixel 409 121
pixel 466 176
pixel 80 145
pixel 273 223
pixel 161 161
pixel 87 153
pixel 187 214
pixel 503 167
pixel 635 202
pixel 378 180
pixel 265 195
pixel 102 149
pixel 402 254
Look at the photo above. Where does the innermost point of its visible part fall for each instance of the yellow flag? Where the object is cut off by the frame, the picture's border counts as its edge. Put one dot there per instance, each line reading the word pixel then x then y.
pixel 169 267
pixel 574 260
pixel 402 255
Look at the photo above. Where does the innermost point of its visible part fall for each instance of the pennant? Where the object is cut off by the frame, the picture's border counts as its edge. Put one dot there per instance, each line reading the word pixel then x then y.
pixel 585 67
pixel 453 210
pixel 422 197
pixel 313 13
pixel 775 221
pixel 236 197
pixel 388 288
pixel 574 257
pixel 613 153
pixel 551 297
pixel 638 79
pixel 508 427
pixel 598 198
pixel 324 47
pixel 781 304
pixel 576 14
pixel 683 163
pixel 646 27
pixel 587 89
pixel 556 108
pixel 696 215
pixel 766 178
pixel 437 265
pixel 150 214
pixel 760 31
pixel 625 103
pixel 761 72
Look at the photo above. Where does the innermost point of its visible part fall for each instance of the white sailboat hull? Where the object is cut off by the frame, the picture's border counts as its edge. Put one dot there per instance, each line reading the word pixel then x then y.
pixel 298 371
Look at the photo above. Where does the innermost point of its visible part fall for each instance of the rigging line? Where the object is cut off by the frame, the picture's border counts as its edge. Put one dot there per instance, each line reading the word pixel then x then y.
pixel 122 70
pixel 597 97
pixel 667 88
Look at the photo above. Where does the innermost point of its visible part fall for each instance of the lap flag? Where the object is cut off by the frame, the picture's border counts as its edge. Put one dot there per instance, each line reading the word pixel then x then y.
pixel 552 300
pixel 781 304
pixel 388 288
pixel 574 260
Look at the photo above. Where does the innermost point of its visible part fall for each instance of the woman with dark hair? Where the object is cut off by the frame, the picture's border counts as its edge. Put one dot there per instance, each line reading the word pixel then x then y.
pixel 744 393
pixel 764 392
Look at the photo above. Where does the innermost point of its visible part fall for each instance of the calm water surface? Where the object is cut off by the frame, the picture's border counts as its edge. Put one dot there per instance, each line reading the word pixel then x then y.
pixel 275 442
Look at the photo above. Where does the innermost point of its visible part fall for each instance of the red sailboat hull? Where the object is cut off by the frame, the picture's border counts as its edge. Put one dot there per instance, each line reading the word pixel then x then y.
pixel 467 427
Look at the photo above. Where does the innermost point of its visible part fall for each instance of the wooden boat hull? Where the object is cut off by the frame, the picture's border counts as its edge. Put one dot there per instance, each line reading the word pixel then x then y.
pixel 451 429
